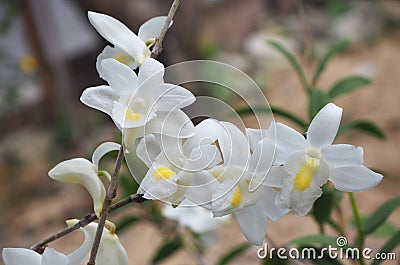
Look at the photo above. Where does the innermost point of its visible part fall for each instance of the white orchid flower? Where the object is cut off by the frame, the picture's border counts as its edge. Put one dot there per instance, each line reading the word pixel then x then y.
pixel 196 218
pixel 230 191
pixel 307 164
pixel 141 104
pixel 86 173
pixel 50 256
pixel 173 163
pixel 129 48
pixel 110 250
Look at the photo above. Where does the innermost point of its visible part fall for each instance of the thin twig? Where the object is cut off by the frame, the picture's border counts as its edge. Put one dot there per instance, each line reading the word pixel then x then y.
pixel 111 193
pixel 87 219
pixel 112 188
pixel 158 44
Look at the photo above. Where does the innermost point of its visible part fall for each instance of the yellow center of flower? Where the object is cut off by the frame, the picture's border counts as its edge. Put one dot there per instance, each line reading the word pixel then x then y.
pixel 131 115
pixel 236 198
pixel 28 64
pixel 124 58
pixel 304 176
pixel 163 173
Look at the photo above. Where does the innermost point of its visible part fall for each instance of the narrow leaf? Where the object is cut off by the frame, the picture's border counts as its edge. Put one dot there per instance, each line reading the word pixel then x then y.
pixel 293 62
pixel 275 110
pixel 317 100
pixel 167 249
pixel 380 215
pixel 365 126
pixel 393 242
pixel 347 85
pixel 233 253
pixel 322 208
pixel 322 63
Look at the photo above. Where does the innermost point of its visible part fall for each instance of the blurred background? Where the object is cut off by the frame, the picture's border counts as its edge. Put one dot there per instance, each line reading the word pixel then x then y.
pixel 48 52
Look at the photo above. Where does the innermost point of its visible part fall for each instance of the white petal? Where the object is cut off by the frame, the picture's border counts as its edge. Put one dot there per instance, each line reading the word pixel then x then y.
pixel 51 257
pixel 288 141
pixel 111 251
pixel 152 28
pixel 340 155
pixel 119 76
pixel 119 35
pixel 113 53
pixel 119 115
pixel 21 256
pixel 260 162
pixel 102 150
pixel 275 177
pixel 354 178
pixel 151 74
pixel 201 189
pixel 76 257
pixel 324 126
pixel 234 146
pixel 136 166
pixel 268 205
pixel 148 149
pixel 81 171
pixel 101 98
pixel 206 132
pixel 175 124
pixel 256 135
pixel 203 157
pixel 253 223
pixel 173 97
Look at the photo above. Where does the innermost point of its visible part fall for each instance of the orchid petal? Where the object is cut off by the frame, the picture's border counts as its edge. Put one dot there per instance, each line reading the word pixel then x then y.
pixel 340 155
pixel 119 35
pixel 81 171
pixel 206 132
pixel 253 223
pixel 256 135
pixel 324 126
pixel 114 53
pixel 148 149
pixel 234 146
pixel 172 97
pixel 288 141
pixel 260 162
pixel 175 124
pixel 151 29
pixel 203 157
pixel 76 257
pixel 275 177
pixel 119 76
pixel 101 98
pixel 151 75
pixel 51 256
pixel 354 178
pixel 21 256
pixel 203 185
pixel 102 150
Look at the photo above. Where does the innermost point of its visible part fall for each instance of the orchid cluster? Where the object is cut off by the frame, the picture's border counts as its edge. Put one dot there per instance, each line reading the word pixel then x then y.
pixel 255 176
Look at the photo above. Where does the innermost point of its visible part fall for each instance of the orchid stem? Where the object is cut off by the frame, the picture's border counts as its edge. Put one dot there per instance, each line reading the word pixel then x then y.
pixel 359 223
pixel 87 219
pixel 111 193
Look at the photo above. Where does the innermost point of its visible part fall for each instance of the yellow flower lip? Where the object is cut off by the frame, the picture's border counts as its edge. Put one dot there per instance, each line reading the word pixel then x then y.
pixel 131 115
pixel 304 176
pixel 236 198
pixel 163 173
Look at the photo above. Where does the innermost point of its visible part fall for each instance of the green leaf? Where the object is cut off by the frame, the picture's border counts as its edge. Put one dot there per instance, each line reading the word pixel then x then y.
pixel 233 253
pixel 380 215
pixel 126 222
pixel 347 85
pixel 167 249
pixel 322 63
pixel 275 110
pixel 293 62
pixel 385 230
pixel 393 242
pixel 365 126
pixel 314 239
pixel 322 207
pixel 318 98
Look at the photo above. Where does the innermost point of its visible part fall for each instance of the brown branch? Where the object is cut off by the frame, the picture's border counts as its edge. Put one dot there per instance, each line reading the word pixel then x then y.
pixel 111 193
pixel 158 44
pixel 87 219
